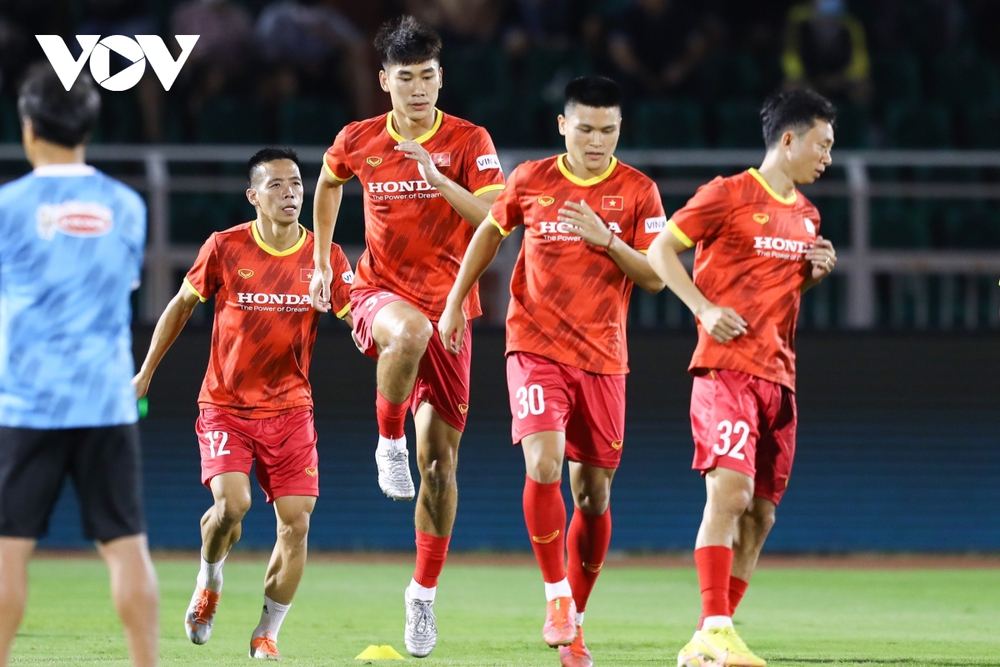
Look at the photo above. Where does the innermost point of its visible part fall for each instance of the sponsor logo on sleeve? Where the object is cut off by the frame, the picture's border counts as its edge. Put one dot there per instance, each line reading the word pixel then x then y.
pixel 657 224
pixel 73 218
pixel 612 203
pixel 485 162
pixel 347 277
pixel 373 161
pixel 441 159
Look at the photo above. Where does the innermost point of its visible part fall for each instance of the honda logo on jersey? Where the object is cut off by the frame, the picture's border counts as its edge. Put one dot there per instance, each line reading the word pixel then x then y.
pixel 779 248
pixel 398 186
pixel 137 51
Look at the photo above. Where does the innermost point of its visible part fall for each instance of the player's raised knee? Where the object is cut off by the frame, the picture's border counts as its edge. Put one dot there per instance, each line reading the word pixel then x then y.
pixel 230 509
pixel 411 334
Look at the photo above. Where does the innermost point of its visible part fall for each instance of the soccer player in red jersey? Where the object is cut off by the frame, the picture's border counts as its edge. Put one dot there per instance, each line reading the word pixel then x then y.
pixel 256 401
pixel 758 250
pixel 429 179
pixel 588 220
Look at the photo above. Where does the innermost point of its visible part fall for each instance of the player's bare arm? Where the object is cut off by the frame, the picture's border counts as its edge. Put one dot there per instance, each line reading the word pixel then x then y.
pixel 822 257
pixel 480 253
pixel 471 207
pixel 326 206
pixel 593 230
pixel 723 324
pixel 168 327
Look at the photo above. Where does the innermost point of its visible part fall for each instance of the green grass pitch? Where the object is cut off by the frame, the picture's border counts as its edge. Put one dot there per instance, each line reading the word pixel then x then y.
pixel 492 615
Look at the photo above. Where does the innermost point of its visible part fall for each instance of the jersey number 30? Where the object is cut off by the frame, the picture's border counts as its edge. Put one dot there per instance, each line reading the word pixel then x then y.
pixel 531 399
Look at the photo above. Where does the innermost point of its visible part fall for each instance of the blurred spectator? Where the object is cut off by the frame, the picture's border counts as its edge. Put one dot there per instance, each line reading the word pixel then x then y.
pixel 825 49
pixel 542 23
pixel 460 22
pixel 657 44
pixel 221 60
pixel 310 48
pixel 129 18
pixel 985 23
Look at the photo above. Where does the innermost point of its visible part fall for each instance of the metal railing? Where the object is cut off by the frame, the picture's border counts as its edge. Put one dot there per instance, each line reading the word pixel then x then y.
pixel 148 169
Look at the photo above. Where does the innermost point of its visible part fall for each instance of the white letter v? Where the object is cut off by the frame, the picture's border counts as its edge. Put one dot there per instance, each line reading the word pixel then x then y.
pixel 61 59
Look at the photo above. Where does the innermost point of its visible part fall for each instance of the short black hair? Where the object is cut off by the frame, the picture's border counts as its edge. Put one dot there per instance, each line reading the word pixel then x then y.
pixel 795 110
pixel 593 91
pixel 269 155
pixel 407 41
pixel 60 116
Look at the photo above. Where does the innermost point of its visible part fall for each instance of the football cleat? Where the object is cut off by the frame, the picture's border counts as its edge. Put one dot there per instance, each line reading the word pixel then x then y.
pixel 576 654
pixel 719 646
pixel 200 615
pixel 264 648
pixel 420 634
pixel 394 473
pixel 560 622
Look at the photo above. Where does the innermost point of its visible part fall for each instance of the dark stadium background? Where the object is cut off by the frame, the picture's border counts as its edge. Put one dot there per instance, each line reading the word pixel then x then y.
pixel 898 389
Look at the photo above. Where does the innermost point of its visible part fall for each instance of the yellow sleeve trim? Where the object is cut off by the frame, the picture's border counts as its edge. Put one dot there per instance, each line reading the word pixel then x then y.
pixel 490 219
pixel 188 284
pixel 343 311
pixel 672 226
pixel 329 171
pixel 489 188
pixel 644 252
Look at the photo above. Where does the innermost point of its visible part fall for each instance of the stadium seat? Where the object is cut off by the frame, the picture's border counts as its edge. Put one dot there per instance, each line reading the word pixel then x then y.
pixel 981 126
pixel 193 216
pixel 231 120
pixel 470 73
pixel 739 125
pixel 121 118
pixel 899 224
pixel 728 75
pixel 970 224
pixel 835 219
pixel 961 81
pixel 897 78
pixel 666 124
pixel 926 125
pixel 546 72
pixel 307 120
pixel 508 122
pixel 853 128
pixel 10 124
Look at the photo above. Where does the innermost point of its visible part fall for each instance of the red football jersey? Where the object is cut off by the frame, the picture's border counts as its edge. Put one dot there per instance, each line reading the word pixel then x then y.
pixel 569 299
pixel 751 258
pixel 265 327
pixel 416 240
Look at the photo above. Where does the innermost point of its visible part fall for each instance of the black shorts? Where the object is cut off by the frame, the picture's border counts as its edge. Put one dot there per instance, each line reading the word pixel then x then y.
pixel 104 463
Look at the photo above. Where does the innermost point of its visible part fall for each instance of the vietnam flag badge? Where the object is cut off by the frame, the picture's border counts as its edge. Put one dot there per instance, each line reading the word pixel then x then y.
pixel 612 203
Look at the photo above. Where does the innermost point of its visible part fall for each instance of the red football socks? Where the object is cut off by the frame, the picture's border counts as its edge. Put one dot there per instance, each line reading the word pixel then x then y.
pixel 431 553
pixel 737 589
pixel 587 543
pixel 714 566
pixel 545 517
pixel 391 416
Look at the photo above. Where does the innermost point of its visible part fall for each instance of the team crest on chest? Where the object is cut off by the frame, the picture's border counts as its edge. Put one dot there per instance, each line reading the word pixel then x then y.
pixel 373 161
pixel 441 159
pixel 761 218
pixel 546 201
pixel 305 275
pixel 245 273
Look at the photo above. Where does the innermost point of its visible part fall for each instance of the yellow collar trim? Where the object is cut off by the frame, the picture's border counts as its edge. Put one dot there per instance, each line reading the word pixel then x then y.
pixel 278 253
pixel 770 190
pixel 585 182
pixel 438 117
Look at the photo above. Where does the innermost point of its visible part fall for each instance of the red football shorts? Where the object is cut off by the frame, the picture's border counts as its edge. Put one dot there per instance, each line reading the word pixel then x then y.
pixel 283 446
pixel 746 424
pixel 589 408
pixel 443 377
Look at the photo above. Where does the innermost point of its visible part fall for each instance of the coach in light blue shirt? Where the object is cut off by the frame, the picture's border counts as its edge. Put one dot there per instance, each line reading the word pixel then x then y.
pixel 71 245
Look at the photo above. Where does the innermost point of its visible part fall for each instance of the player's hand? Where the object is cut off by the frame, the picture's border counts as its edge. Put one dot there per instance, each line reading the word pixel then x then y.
pixel 141 384
pixel 722 324
pixel 823 258
pixel 586 223
pixel 319 288
pixel 451 328
pixel 425 164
